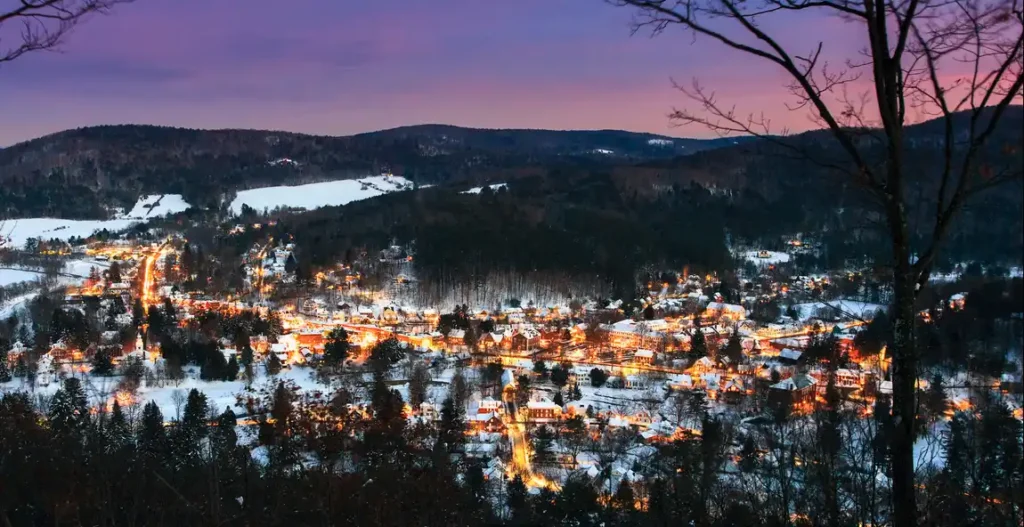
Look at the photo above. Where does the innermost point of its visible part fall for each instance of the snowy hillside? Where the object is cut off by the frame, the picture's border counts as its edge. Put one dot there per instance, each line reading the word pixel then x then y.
pixel 17 231
pixel 315 195
pixel 477 190
pixel 157 205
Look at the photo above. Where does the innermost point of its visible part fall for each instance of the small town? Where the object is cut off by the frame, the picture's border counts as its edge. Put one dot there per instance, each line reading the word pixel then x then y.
pixel 586 263
pixel 540 392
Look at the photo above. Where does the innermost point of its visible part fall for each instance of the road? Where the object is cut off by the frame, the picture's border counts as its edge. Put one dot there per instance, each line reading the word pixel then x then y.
pixel 148 295
pixel 521 464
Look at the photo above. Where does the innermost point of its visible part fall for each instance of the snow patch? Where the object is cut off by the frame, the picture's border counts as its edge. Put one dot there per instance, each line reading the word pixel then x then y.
pixel 157 205
pixel 766 257
pixel 18 231
pixel 660 142
pixel 604 151
pixel 477 190
pixel 316 195
pixel 15 276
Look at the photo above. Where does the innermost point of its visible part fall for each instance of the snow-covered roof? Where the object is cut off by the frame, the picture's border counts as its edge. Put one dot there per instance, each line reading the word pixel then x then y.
pixel 644 354
pixel 542 404
pixel 790 354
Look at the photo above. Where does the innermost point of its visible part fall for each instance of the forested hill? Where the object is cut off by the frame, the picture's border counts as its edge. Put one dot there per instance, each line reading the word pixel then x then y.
pixel 77 173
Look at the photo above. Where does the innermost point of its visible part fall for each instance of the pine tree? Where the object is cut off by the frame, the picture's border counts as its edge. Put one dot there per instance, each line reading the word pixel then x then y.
pixel 102 362
pixel 452 426
pixel 152 435
pixel 247 355
pixel 138 313
pixel 577 394
pixel 336 348
pixel 734 349
pixel 226 423
pixel 698 345
pixel 281 408
pixel 114 273
pixel 118 430
pixel 69 410
pixel 273 364
pixel 558 398
pixel 5 373
pixel 231 369
pixel 517 496
pixel 936 399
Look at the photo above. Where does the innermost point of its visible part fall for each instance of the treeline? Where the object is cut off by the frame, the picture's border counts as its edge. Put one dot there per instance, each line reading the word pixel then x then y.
pixel 314 459
pixel 576 224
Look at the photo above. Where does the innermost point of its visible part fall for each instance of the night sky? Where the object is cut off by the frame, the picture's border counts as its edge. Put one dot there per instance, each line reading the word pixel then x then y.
pixel 342 67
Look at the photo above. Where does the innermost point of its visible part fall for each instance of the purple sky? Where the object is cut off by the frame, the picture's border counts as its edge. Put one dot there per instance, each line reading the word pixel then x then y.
pixel 343 67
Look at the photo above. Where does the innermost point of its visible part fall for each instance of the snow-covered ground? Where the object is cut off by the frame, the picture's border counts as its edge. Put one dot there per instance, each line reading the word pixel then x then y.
pixel 315 195
pixel 153 206
pixel 766 257
pixel 477 190
pixel 158 205
pixel 846 308
pixel 14 276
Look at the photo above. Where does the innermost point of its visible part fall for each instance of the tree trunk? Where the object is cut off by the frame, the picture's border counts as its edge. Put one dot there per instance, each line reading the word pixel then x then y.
pixel 904 376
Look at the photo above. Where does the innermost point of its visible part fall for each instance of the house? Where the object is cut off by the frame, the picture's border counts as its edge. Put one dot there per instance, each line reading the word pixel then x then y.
pixel 680 382
pixel 635 382
pixel 311 339
pixel 543 410
pixel 789 356
pixel 727 313
pixel 733 389
pixel 643 356
pixel 703 365
pixel 456 337
pixel 489 406
pixel 794 390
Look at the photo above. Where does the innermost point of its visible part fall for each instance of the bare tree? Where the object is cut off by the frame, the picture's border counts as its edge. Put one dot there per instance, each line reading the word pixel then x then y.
pixel 959 60
pixel 44 23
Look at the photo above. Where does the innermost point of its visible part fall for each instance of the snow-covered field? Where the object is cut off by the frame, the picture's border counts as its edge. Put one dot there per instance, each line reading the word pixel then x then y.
pixel 14 276
pixel 158 205
pixel 315 195
pixel 20 230
pixel 846 308
pixel 770 257
pixel 477 190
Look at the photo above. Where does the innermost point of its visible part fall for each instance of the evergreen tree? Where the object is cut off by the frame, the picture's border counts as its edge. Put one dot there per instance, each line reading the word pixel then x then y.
pixel 452 425
pixel 577 394
pixel 152 439
pixel 698 345
pixel 231 369
pixel 336 348
pixel 69 410
pixel 558 398
pixel 247 357
pixel 214 367
pixel 598 377
pixel 102 362
pixel 118 429
pixel 273 364
pixel 114 273
pixel 418 383
pixel 5 372
pixel 560 375
pixel 936 399
pixel 517 496
pixel 138 313
pixel 225 431
pixel 734 349
pixel 540 368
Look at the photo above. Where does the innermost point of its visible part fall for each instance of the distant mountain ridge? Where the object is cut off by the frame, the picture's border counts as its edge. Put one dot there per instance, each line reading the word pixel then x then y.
pixel 79 172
